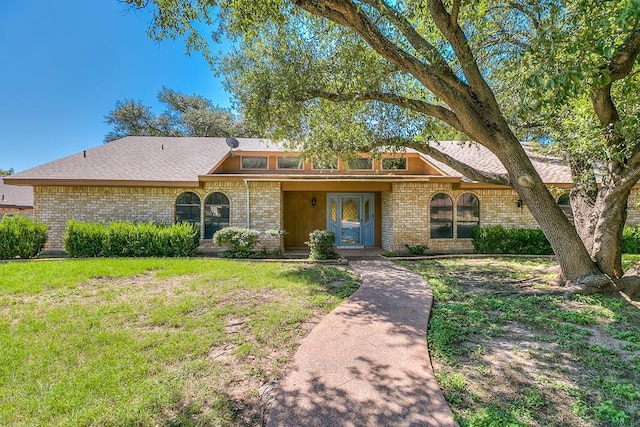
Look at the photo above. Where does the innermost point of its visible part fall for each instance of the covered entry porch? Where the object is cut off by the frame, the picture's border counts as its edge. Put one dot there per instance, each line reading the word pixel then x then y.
pixel 352 210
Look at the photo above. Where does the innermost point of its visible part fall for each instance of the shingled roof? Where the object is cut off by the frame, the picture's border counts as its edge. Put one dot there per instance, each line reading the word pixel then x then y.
pixel 135 160
pixel 167 160
pixel 14 196
pixel 552 170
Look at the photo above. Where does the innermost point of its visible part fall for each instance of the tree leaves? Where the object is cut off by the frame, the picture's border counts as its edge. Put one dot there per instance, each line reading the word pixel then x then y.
pixel 186 115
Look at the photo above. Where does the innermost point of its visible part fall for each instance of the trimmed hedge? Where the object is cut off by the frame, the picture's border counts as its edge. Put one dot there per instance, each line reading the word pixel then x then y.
pixel 21 237
pixel 84 239
pixel 321 244
pixel 500 240
pixel 126 239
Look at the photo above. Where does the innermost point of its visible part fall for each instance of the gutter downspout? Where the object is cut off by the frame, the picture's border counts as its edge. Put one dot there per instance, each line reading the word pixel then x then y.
pixel 246 185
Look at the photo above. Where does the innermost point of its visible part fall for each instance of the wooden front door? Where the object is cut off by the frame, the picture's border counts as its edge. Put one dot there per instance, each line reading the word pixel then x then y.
pixel 301 216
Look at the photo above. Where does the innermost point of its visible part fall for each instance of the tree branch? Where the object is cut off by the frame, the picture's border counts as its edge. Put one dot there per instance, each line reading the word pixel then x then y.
pixel 619 67
pixel 432 110
pixel 624 59
pixel 346 13
pixel 418 42
pixel 520 8
pixel 458 41
pixel 455 11
pixel 461 167
pixel 404 26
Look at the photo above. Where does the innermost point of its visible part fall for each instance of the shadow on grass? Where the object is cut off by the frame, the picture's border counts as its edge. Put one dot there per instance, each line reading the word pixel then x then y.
pixel 530 360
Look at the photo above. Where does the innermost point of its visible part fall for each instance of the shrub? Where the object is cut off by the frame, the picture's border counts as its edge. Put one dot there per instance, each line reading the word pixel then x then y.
pixel 631 239
pixel 126 239
pixel 179 239
pixel 416 250
pixel 500 240
pixel 21 237
pixel 84 239
pixel 239 242
pixel 321 244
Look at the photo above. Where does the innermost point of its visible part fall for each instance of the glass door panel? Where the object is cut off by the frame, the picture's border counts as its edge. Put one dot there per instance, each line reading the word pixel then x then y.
pixel 350 224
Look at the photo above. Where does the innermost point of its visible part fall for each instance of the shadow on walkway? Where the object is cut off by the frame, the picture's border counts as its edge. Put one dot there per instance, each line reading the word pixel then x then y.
pixel 366 363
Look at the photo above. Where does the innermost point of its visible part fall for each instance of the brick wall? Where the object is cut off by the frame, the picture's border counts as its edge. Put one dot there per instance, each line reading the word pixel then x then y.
pixel 55 205
pixel 13 210
pixel 633 207
pixel 410 219
pixel 387 219
pixel 405 210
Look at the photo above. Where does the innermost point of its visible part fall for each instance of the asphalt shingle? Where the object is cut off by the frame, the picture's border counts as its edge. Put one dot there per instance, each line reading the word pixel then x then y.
pixel 13 195
pixel 182 160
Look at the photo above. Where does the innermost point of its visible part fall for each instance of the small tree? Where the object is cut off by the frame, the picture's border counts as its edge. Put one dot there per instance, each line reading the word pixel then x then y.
pixel 321 244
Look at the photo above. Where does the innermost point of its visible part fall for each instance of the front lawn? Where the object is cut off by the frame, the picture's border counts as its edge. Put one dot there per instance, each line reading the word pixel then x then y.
pixel 152 341
pixel 507 359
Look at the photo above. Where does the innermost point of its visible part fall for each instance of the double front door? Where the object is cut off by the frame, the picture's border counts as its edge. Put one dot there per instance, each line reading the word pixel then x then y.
pixel 351 217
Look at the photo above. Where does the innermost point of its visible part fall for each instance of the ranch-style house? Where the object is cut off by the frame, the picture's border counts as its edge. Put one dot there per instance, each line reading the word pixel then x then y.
pixel 385 201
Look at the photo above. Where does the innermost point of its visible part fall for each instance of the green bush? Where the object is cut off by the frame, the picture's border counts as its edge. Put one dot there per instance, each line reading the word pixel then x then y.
pixel 500 240
pixel 126 239
pixel 321 244
pixel 21 237
pixel 239 242
pixel 84 239
pixel 631 239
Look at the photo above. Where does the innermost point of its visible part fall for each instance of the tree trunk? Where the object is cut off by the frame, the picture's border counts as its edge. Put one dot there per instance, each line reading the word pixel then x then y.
pixel 584 217
pixel 583 200
pixel 578 269
pixel 611 210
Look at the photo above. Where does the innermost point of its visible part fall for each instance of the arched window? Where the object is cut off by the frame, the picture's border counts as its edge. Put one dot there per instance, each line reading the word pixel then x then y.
pixel 565 205
pixel 216 214
pixel 188 208
pixel 441 217
pixel 468 211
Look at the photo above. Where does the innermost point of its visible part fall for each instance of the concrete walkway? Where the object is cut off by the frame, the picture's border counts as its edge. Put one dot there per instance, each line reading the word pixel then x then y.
pixel 366 363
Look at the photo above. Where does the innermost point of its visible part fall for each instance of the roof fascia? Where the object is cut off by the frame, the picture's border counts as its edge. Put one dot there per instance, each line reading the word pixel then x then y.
pixel 324 178
pixel 221 161
pixel 424 159
pixel 102 183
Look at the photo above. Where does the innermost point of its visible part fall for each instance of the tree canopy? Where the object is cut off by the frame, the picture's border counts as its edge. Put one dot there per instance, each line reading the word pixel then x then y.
pixel 354 75
pixel 185 115
pixel 6 172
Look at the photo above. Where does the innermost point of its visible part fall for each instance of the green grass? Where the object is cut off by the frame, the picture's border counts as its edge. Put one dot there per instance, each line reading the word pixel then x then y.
pixel 151 341
pixel 516 360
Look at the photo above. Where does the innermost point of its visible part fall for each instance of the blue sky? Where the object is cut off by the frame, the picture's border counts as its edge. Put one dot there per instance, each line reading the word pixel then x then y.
pixel 65 63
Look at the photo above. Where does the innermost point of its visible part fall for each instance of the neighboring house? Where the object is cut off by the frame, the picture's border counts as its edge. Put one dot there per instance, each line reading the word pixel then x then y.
pixel 397 199
pixel 15 200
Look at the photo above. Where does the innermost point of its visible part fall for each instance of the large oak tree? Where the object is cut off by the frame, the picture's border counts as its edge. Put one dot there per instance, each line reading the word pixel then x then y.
pixel 185 115
pixel 354 75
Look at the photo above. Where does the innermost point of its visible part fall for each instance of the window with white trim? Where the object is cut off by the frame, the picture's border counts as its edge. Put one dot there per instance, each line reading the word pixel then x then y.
pixel 254 162
pixel 289 163
pixel 360 163
pixel 324 164
pixel 394 164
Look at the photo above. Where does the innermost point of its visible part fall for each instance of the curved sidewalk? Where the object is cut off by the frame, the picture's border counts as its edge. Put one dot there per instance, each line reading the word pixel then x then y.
pixel 366 363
